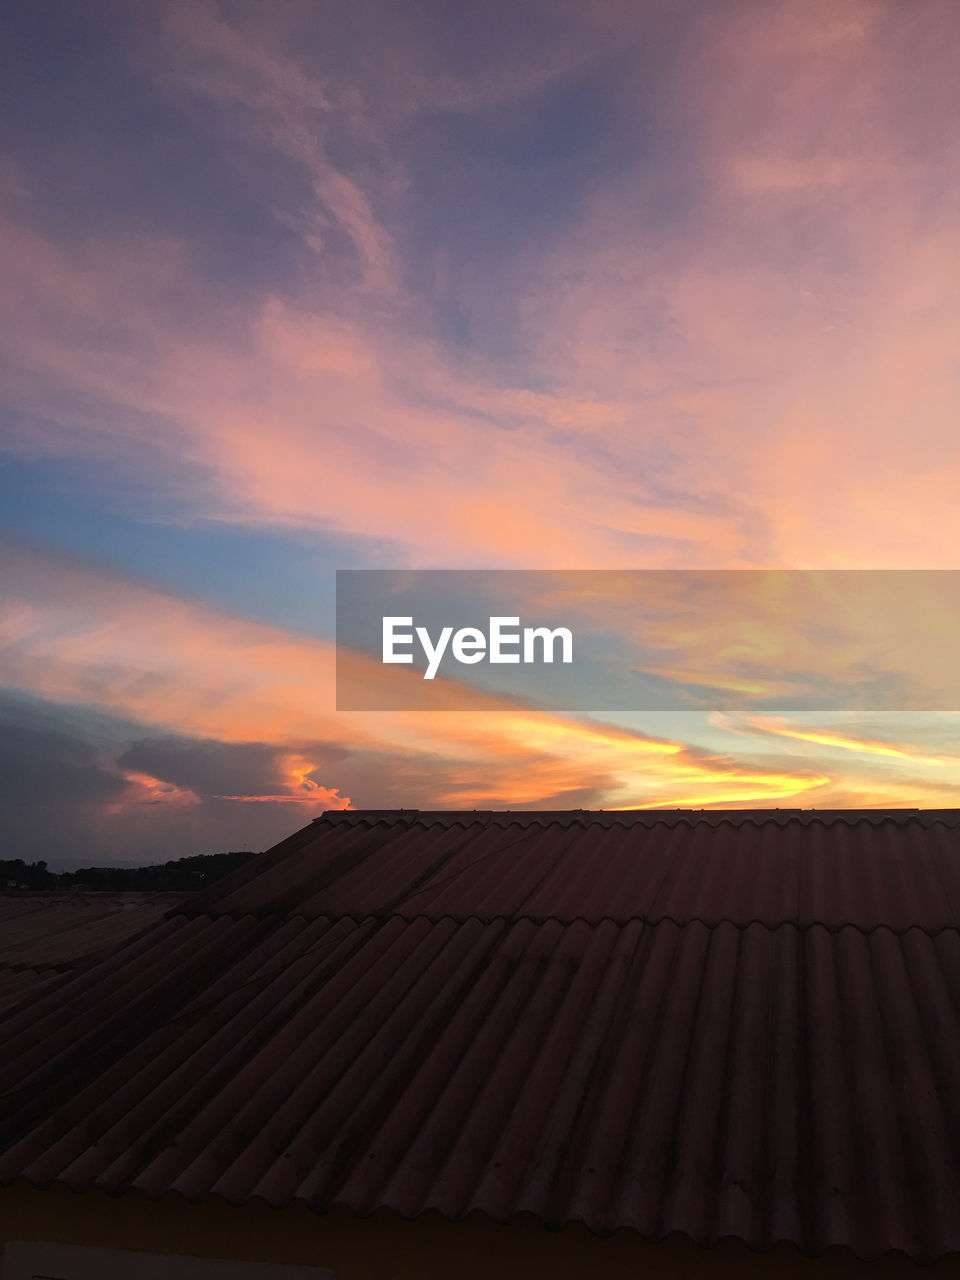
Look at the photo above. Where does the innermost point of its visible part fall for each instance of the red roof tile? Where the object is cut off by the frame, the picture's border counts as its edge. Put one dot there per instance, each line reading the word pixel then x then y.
pixel 893 868
pixel 45 929
pixel 301 1033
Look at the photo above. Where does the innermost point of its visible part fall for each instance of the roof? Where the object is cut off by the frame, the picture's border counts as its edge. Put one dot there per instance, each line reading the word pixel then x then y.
pixel 501 1015
pixel 896 868
pixel 43 933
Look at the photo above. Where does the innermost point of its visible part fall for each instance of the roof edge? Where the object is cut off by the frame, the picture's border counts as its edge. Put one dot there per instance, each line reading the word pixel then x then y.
pixel 632 817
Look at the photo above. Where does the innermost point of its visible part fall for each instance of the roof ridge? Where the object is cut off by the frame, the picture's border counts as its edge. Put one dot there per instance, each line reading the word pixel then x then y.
pixel 626 818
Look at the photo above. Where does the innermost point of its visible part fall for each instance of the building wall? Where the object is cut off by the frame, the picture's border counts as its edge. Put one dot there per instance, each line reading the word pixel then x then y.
pixel 385 1247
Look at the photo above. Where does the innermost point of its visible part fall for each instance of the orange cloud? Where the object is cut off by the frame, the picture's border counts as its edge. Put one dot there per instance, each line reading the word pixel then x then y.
pixel 124 647
pixel 76 634
pixel 301 788
pixel 149 790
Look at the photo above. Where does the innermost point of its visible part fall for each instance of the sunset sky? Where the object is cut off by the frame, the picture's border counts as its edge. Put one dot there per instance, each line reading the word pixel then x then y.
pixel 291 287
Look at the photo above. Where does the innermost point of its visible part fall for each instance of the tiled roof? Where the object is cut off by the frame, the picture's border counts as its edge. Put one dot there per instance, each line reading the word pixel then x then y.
pixel 42 933
pixel 770 1077
pixel 52 928
pixel 889 868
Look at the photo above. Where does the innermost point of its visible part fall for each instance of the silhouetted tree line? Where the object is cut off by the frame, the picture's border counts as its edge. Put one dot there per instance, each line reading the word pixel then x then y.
pixel 182 874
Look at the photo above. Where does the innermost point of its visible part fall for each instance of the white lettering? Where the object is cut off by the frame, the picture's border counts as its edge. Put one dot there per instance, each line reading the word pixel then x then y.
pixel 434 652
pixel 469 645
pixel 391 640
pixel 498 638
pixel 543 633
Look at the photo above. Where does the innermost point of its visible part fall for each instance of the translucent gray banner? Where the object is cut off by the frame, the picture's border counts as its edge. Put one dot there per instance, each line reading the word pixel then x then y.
pixel 648 640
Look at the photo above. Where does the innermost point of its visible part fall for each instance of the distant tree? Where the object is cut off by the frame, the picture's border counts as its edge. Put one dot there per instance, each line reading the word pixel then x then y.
pixel 17 874
pixel 178 875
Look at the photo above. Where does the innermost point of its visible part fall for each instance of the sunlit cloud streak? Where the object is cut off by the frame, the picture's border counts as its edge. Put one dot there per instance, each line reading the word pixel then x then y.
pixel 301 788
pixel 834 739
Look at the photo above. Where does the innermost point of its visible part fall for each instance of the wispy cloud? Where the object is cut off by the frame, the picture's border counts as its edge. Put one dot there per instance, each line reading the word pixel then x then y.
pixel 837 739
pixel 551 285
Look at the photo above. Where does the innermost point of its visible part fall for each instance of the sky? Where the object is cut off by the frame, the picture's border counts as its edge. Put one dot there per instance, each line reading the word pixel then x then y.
pixel 290 287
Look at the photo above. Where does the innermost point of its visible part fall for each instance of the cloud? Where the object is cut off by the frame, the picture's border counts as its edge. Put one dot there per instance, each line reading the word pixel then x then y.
pixel 217 768
pixel 223 736
pixel 761 374
pixel 70 794
pixel 42 766
pixel 694 307
pixel 243 407
pixel 146 789
pixel 124 647
pixel 247 772
pixel 63 798
pixel 839 739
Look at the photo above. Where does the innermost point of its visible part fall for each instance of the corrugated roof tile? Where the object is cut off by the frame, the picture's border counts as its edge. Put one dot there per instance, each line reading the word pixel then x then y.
pixel 59 929
pixel 895 869
pixel 697 1027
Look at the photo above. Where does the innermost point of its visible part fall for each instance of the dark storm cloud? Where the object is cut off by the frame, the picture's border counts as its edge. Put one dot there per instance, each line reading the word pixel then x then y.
pixel 74 790
pixel 53 786
pixel 211 768
pixel 38 766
